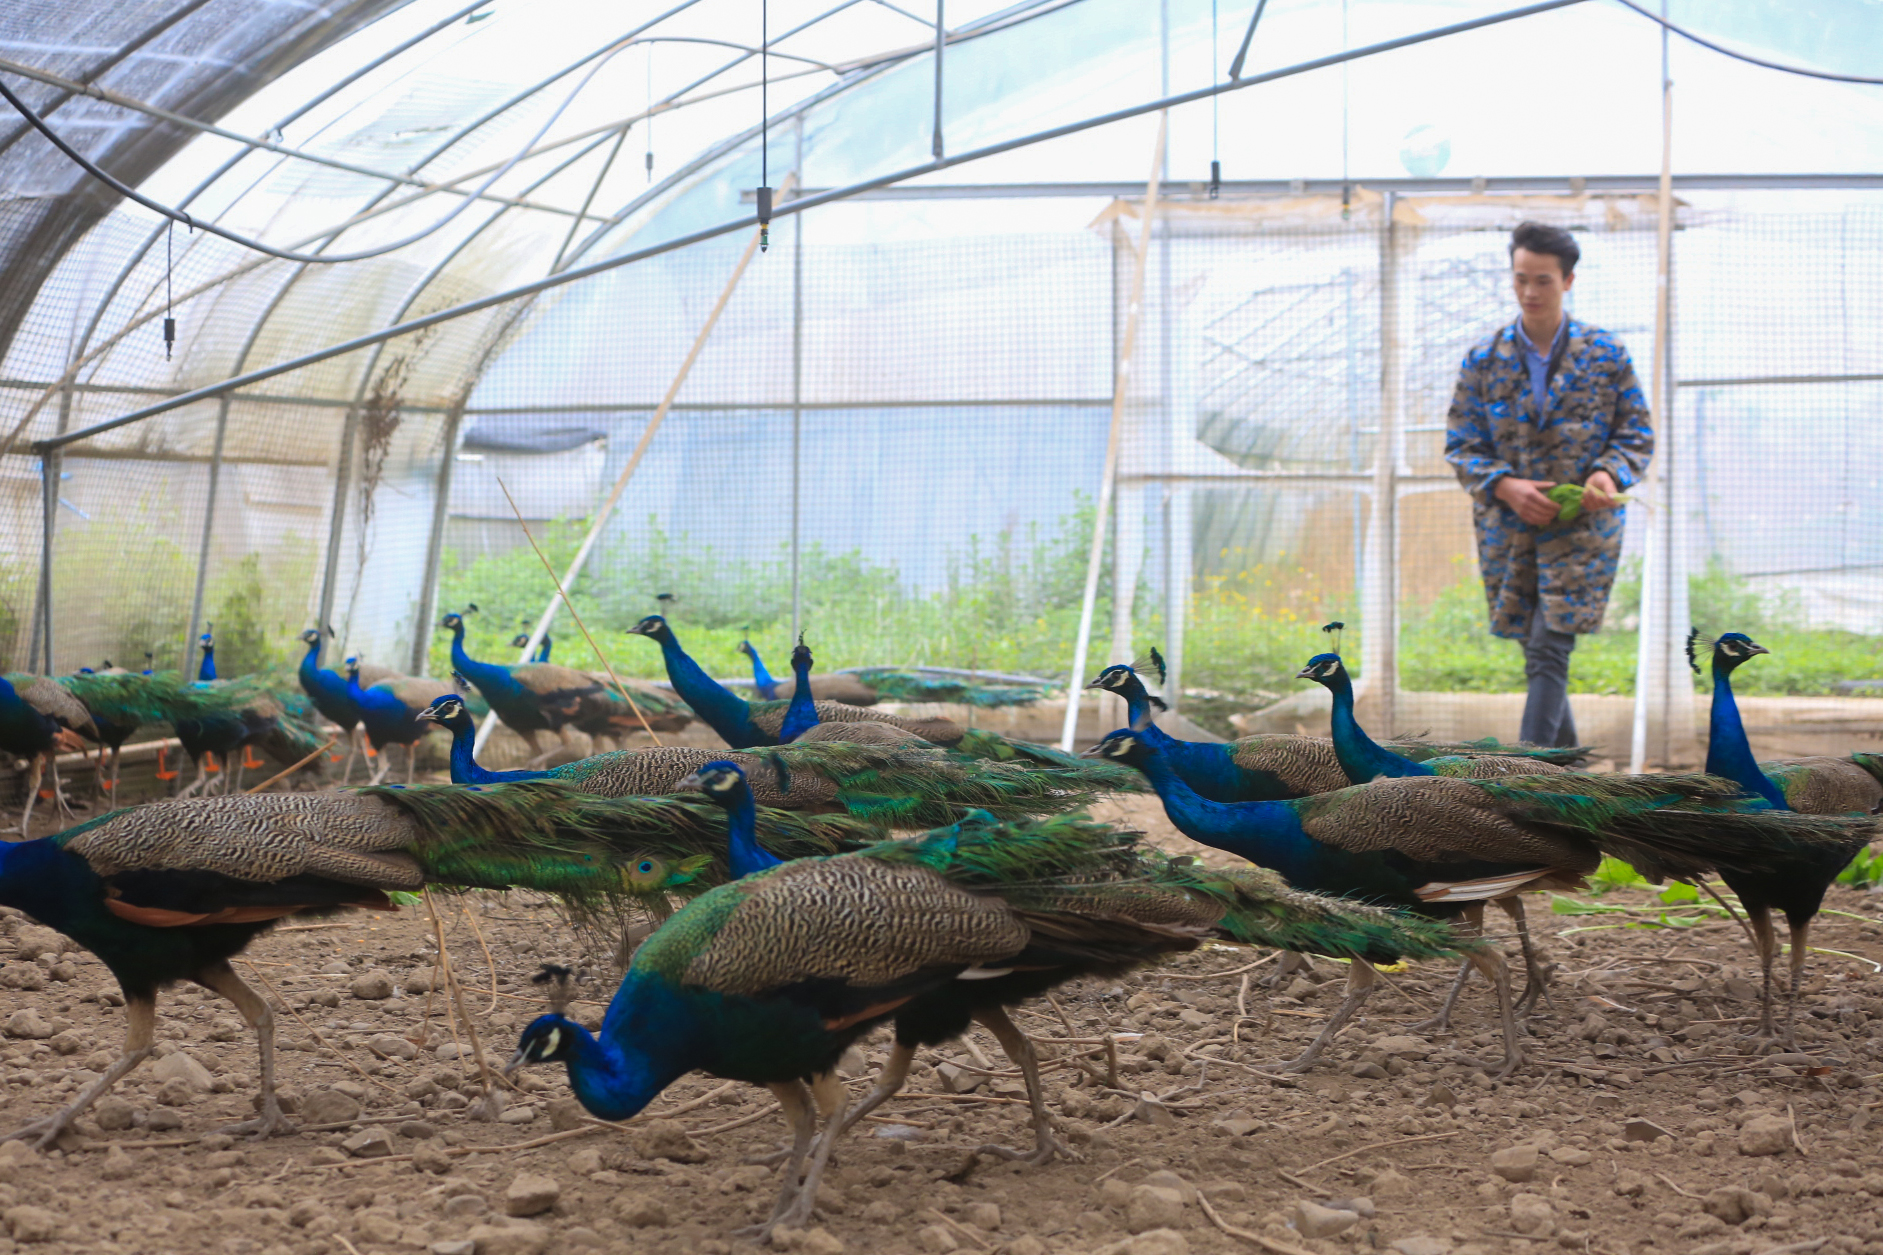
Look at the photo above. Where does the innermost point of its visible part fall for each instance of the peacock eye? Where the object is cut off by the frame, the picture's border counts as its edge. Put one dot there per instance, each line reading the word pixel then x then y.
pixel 644 867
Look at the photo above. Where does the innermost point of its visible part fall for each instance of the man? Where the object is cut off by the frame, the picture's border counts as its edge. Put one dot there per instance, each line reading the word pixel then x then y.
pixel 1544 401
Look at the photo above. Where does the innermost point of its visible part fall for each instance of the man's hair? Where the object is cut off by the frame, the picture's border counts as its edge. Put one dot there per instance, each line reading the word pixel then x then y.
pixel 1555 241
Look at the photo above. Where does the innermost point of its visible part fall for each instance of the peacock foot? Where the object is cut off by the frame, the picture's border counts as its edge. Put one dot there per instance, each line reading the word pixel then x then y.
pixel 769 1161
pixel 41 1134
pixel 1510 1063
pixel 1047 1148
pixel 270 1123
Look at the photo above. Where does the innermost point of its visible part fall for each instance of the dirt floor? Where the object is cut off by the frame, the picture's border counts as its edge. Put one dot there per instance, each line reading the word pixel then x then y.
pixel 1640 1125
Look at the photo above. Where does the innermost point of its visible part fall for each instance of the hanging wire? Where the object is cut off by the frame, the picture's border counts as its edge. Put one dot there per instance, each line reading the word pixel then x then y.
pixel 1216 115
pixel 764 129
pixel 169 268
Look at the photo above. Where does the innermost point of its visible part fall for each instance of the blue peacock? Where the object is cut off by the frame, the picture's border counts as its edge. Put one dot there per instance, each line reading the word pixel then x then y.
pixel 902 786
pixel 866 686
pixel 770 978
pixel 1817 785
pixel 328 691
pixel 1434 844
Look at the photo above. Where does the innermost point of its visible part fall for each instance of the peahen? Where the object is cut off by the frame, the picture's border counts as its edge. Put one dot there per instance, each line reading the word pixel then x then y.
pixel 38 718
pixel 1274 766
pixel 533 698
pixel 1250 906
pixel 1363 760
pixel 902 786
pixel 746 725
pixel 1815 785
pixel 1435 843
pixel 390 712
pixel 173 890
pixel 770 979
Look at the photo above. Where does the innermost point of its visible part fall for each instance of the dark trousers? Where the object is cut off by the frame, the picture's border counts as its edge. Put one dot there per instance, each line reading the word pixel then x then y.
pixel 1546 717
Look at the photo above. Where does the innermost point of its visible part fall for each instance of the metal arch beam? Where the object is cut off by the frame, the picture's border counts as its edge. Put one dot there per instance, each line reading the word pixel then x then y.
pixel 790 207
pixel 103 67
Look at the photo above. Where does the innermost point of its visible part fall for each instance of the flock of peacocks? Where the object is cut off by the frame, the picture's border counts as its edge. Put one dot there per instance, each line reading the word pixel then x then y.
pixel 792 921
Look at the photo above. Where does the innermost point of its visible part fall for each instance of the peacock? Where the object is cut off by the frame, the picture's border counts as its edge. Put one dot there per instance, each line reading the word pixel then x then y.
pixel 1363 760
pixel 902 786
pixel 328 691
pixel 746 725
pixel 1275 766
pixel 38 718
pixel 866 686
pixel 1250 906
pixel 834 686
pixel 533 698
pixel 1435 843
pixel 219 726
pixel 390 712
pixel 173 890
pixel 1814 785
pixel 522 639
pixel 770 978
pixel 120 702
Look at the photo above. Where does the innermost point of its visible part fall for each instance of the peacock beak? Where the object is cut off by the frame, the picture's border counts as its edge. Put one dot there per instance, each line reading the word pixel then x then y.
pixel 427 715
pixel 692 781
pixel 1753 647
pixel 1306 673
pixel 517 1060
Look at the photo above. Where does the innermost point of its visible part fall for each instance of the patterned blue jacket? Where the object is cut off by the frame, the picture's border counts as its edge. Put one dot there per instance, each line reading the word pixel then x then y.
pixel 1596 420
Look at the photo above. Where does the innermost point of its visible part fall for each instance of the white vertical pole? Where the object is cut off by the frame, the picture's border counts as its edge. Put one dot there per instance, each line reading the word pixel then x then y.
pixel 1108 482
pixel 1657 629
pixel 1379 594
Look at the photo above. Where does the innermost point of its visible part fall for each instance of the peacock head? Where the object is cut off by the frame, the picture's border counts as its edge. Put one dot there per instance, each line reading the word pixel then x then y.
pixel 1325 669
pixel 801 656
pixel 1733 648
pixel 446 709
pixel 723 782
pixel 1117 678
pixel 311 638
pixel 1123 746
pixel 352 664
pixel 519 640
pixel 454 619
pixel 548 1039
pixel 653 626
pixel 745 647
pixel 206 642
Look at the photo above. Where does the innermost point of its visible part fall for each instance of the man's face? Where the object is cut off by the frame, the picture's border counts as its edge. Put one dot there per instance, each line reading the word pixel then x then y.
pixel 1539 282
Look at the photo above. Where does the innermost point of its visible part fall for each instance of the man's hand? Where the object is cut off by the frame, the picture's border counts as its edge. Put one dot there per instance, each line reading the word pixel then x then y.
pixel 1599 492
pixel 1525 496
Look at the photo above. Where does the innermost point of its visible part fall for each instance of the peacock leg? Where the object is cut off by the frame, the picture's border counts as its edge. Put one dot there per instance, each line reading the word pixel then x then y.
pixel 1536 976
pixel 32 792
pixel 233 783
pixel 1361 979
pixel 1471 924
pixel 889 1083
pixel 542 755
pixel 411 761
pixel 796 1101
pixel 1760 919
pixel 384 765
pixel 140 1034
pixel 58 788
pixel 1800 950
pixel 1019 1048
pixel 798 1214
pixel 1290 963
pixel 353 752
pixel 202 778
pixel 221 978
pixel 117 760
pixel 1491 963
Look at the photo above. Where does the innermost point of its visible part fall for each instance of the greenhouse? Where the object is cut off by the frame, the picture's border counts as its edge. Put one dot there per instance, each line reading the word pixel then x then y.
pixel 1202 271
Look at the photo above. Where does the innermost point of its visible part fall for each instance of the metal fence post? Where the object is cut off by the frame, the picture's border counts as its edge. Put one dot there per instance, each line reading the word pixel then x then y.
pixel 1379 592
pixel 209 526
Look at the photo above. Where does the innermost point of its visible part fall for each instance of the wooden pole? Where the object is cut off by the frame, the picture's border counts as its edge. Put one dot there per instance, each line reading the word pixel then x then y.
pixel 1108 484
pixel 634 460
pixel 1652 662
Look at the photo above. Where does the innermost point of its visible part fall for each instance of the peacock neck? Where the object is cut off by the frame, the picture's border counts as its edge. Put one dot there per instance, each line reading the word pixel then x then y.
pixel 1266 833
pixel 801 714
pixel 489 677
pixel 206 671
pixel 542 651
pixel 743 850
pixel 31 873
pixel 1361 757
pixel 464 768
pixel 310 667
pixel 762 681
pixel 723 710
pixel 612 1078
pixel 1728 751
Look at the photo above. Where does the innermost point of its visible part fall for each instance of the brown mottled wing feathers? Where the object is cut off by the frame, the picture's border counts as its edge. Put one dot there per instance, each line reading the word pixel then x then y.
pixel 873 733
pixel 1490 766
pixel 648 772
pixel 1306 764
pixel 940 731
pixel 856 920
pixel 1436 819
pixel 49 697
pixel 265 836
pixel 1819 785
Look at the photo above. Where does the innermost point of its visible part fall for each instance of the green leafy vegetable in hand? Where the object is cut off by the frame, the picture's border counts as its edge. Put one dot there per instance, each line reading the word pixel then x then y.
pixel 1568 498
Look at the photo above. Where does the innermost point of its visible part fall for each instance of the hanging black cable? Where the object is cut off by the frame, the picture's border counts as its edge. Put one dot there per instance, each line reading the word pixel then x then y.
pixel 764 134
pixel 1216 127
pixel 169 322
pixel 649 112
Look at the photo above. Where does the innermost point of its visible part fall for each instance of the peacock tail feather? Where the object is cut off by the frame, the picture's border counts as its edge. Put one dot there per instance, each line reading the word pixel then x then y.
pixel 128 698
pixel 1872 763
pixel 914 686
pixel 1094 773
pixel 1420 751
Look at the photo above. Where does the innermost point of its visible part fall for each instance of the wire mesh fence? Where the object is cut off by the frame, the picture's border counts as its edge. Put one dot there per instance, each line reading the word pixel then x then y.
pixel 896 446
